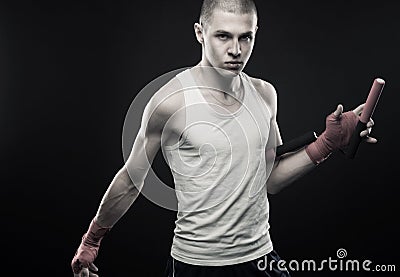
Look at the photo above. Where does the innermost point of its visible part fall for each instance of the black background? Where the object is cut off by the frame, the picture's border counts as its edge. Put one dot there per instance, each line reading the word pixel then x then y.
pixel 70 69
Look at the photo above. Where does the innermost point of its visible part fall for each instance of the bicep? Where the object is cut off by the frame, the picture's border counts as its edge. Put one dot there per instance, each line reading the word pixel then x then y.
pixel 157 125
pixel 145 146
pixel 275 134
pixel 270 97
pixel 144 149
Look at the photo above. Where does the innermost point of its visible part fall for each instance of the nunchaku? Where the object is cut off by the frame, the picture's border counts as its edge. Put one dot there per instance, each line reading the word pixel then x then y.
pixel 355 140
pixel 366 114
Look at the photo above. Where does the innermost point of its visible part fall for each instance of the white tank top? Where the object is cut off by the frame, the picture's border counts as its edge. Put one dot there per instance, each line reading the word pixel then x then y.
pixel 220 171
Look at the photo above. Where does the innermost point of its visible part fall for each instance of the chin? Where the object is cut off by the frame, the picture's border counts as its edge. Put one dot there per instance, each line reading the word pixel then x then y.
pixel 229 72
pixel 233 72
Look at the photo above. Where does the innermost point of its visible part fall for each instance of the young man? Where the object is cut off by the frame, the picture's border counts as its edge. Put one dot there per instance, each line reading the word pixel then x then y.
pixel 217 127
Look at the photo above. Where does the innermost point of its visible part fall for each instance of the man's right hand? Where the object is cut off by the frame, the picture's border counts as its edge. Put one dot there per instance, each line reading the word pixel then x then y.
pixel 82 262
pixel 87 272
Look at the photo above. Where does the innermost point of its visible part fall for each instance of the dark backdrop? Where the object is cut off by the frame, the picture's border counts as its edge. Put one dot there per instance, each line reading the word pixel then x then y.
pixel 70 69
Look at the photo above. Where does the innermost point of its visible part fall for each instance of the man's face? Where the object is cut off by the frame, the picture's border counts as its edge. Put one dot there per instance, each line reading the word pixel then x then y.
pixel 228 40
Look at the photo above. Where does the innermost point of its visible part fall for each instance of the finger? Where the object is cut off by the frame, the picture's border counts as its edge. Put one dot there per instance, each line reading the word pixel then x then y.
pixel 370 140
pixel 359 109
pixel 79 274
pixel 91 274
pixel 370 123
pixel 85 272
pixel 364 133
pixel 93 267
pixel 338 111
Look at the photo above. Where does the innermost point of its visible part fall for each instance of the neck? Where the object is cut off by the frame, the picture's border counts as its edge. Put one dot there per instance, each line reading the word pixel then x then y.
pixel 217 78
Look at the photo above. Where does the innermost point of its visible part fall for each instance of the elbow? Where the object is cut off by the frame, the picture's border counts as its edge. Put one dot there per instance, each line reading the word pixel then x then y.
pixel 274 182
pixel 123 177
pixel 273 188
pixel 277 183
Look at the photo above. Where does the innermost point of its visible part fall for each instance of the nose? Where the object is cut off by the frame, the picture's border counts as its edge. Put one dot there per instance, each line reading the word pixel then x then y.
pixel 234 49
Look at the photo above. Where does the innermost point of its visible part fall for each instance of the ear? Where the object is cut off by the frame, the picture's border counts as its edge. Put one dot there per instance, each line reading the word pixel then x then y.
pixel 198 30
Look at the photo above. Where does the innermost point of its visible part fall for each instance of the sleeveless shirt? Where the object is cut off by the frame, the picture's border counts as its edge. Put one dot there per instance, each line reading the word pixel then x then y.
pixel 220 173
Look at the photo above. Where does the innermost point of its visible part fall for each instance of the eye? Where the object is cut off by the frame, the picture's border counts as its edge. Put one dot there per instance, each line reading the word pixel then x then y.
pixel 222 36
pixel 246 38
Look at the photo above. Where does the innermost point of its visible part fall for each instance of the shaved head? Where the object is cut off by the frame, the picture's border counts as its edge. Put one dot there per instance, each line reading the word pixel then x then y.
pixel 231 6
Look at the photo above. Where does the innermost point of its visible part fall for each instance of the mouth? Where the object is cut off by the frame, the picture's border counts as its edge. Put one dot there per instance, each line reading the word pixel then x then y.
pixel 234 64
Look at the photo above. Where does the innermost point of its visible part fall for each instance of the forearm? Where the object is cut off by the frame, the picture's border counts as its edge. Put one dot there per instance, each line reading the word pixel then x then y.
pixel 116 201
pixel 287 169
pixel 118 198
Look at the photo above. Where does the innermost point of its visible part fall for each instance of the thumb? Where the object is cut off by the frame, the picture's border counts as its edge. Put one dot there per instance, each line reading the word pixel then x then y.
pixel 93 267
pixel 339 111
pixel 359 109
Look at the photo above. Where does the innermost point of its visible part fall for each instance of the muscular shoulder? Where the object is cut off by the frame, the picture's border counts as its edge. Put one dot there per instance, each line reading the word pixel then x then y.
pixel 169 98
pixel 267 92
pixel 164 105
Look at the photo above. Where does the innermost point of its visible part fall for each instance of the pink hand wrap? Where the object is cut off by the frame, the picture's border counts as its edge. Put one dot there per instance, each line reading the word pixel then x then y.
pixel 337 134
pixel 89 247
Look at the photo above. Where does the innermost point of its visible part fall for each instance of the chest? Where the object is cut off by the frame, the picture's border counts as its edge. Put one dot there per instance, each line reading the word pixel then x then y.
pixel 207 132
